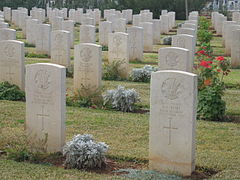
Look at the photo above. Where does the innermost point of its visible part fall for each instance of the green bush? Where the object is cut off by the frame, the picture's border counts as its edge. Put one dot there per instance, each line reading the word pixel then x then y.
pixel 111 71
pixel 204 36
pixel 11 92
pixel 104 48
pixel 85 97
pixel 211 106
pixel 204 23
pixel 33 55
pixel 70 71
pixel 29 44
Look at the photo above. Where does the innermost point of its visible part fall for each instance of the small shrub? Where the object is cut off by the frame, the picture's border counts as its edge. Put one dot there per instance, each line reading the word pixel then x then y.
pixel 210 104
pixel 104 48
pixel 29 44
pixel 121 99
pixel 111 71
pixel 82 152
pixel 204 36
pixel 86 97
pixel 70 71
pixel 167 40
pixel 33 55
pixel 11 92
pixel 142 74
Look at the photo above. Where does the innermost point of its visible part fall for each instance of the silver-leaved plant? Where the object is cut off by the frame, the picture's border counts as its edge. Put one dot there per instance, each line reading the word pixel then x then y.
pixel 121 99
pixel 82 152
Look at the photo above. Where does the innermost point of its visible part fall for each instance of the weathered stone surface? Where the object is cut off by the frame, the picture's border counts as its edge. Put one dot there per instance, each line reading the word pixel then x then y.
pixel 87 34
pixel 118 51
pixel 87 67
pixel 12 62
pixel 187 42
pixel 104 29
pixel 46 106
pixel 60 47
pixel 136 43
pixel 68 25
pixel 7 34
pixel 43 39
pixel 173 105
pixel 174 58
pixel 148 35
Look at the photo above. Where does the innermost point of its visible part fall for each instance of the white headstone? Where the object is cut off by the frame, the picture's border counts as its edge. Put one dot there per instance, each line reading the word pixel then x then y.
pixel 148 35
pixel 57 23
pixel 12 62
pixel 136 43
pixel 173 105
pixel 60 47
pixel 7 34
pixel 87 34
pixel 174 58
pixel 187 42
pixel 136 19
pixel 43 39
pixel 69 26
pixel 105 28
pixel 87 67
pixel 229 37
pixel 118 51
pixel 31 30
pixel 46 105
pixel 235 49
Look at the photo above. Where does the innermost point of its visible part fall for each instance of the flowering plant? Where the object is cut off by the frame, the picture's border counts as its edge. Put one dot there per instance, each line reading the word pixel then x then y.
pixel 211 72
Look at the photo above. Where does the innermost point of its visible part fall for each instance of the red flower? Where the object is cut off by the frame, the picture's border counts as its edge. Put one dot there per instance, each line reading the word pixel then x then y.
pixel 206 64
pixel 201 52
pixel 220 58
pixel 218 70
pixel 207 82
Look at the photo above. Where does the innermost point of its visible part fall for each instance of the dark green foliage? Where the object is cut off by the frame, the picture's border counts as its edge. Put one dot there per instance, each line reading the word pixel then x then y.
pixel 29 44
pixel 70 71
pixel 11 92
pixel 86 97
pixel 204 34
pixel 111 71
pixel 104 48
pixel 210 103
pixel 33 55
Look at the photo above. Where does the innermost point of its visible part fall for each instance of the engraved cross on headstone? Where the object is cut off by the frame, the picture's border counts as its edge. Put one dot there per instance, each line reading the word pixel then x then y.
pixel 43 116
pixel 170 128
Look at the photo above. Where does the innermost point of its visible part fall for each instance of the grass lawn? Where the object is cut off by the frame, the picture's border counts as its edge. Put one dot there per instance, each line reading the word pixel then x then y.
pixel 217 152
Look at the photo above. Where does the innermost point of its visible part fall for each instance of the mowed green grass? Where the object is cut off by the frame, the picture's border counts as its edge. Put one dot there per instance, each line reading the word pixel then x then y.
pixel 217 143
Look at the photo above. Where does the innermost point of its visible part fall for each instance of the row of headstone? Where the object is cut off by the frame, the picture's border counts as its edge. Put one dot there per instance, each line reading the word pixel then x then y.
pixel 230 31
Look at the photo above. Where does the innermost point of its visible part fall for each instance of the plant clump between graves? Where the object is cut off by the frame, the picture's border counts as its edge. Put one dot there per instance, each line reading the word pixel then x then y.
pixel 85 97
pixel 142 74
pixel 211 72
pixel 83 152
pixel 121 99
pixel 111 71
pixel 204 34
pixel 11 92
